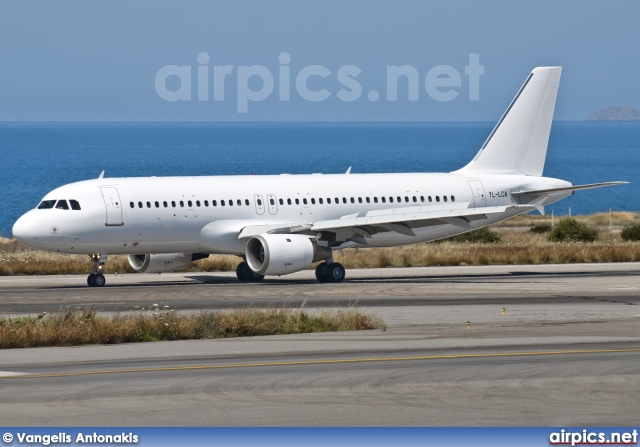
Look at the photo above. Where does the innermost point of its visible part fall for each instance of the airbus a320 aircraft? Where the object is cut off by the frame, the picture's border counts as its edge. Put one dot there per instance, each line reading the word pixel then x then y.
pixel 280 224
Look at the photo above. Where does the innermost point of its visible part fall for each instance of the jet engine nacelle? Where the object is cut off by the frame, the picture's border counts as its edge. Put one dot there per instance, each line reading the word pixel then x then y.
pixel 162 263
pixel 280 254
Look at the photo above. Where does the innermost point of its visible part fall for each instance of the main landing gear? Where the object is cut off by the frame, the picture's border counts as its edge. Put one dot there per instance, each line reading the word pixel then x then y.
pixel 96 278
pixel 245 274
pixel 330 272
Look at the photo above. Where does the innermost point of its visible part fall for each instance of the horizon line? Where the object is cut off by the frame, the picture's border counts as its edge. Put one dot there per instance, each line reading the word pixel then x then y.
pixel 282 122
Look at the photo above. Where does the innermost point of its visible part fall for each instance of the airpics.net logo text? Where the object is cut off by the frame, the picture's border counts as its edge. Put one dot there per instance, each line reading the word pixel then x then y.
pixel 313 83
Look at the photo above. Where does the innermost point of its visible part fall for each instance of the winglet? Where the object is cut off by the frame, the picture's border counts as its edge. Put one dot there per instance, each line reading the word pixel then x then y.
pixel 101 175
pixel 348 170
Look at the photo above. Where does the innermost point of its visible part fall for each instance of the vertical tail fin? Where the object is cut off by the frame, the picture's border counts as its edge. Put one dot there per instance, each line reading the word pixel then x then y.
pixel 518 143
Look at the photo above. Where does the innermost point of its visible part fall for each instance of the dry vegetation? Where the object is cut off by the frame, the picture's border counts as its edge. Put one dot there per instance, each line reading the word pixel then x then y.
pixel 518 245
pixel 82 326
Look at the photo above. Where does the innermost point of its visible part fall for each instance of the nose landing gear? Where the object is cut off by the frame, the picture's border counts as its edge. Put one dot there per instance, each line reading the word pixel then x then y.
pixel 96 278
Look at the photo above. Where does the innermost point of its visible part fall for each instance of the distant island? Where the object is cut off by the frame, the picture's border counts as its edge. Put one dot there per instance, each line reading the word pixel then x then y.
pixel 615 114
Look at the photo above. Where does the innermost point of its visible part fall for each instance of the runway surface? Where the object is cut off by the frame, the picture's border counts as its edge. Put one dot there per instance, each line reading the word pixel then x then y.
pixel 566 351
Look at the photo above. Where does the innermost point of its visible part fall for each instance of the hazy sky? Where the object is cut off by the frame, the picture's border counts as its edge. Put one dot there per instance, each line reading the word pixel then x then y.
pixel 102 61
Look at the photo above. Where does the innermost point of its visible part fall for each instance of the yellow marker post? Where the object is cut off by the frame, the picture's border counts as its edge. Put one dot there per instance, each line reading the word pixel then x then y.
pixel 468 325
pixel 504 310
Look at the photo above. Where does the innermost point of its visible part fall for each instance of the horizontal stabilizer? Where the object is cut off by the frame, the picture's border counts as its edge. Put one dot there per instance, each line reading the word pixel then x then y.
pixel 534 192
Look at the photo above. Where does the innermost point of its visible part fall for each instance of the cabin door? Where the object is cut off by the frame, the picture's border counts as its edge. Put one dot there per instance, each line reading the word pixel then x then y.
pixel 259 204
pixel 113 206
pixel 273 205
pixel 478 193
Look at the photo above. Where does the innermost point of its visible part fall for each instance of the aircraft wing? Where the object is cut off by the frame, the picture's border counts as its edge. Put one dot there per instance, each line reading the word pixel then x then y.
pixel 357 227
pixel 402 220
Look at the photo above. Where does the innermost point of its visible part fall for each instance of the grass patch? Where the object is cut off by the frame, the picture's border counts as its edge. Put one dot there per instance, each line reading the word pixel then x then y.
pixel 631 233
pixel 483 235
pixel 84 326
pixel 517 242
pixel 570 230
pixel 541 228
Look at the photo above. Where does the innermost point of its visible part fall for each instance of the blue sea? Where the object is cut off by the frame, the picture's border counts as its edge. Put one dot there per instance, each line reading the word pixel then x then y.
pixel 35 158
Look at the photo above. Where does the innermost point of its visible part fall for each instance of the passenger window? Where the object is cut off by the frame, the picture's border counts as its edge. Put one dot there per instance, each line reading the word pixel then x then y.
pixel 288 201
pixel 222 203
pixel 329 200
pixel 437 198
pixel 214 203
pixel 62 205
pixel 181 204
pixel 297 201
pixel 47 204
pixel 173 203
pixel 139 204
pixel 230 202
pixel 239 202
pixel 198 203
pixel 273 202
pixel 165 204
pixel 130 203
pixel 359 199
pixel 259 202
pixel 246 202
pixel 390 199
pixel 453 198
pixel 430 200
pixel 206 203
pixel 422 198
pixel 344 200
pixel 281 201
pixel 400 199
pixel 190 204
pixel 157 204
pixel 353 200
pixel 445 198
pixel 375 200
pixel 415 199
pixel 384 199
pixel 313 201
pixel 368 201
pixel 320 201
pixel 148 204
pixel 337 201
pixel 304 201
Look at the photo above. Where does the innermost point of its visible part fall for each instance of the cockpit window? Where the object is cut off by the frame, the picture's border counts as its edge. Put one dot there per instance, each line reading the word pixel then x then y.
pixel 74 204
pixel 46 204
pixel 62 205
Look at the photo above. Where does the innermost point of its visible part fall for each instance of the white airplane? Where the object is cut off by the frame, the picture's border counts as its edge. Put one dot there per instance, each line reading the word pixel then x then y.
pixel 280 224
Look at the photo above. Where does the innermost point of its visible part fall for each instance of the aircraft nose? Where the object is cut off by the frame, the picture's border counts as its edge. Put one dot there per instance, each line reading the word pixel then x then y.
pixel 24 228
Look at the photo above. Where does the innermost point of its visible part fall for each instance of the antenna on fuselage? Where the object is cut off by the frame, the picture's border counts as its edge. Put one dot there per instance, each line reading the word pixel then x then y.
pixel 101 175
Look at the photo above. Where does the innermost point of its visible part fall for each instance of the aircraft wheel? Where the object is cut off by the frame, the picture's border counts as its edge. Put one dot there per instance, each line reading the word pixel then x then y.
pixel 242 271
pixel 255 277
pixel 320 272
pixel 98 280
pixel 90 280
pixel 245 274
pixel 334 272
